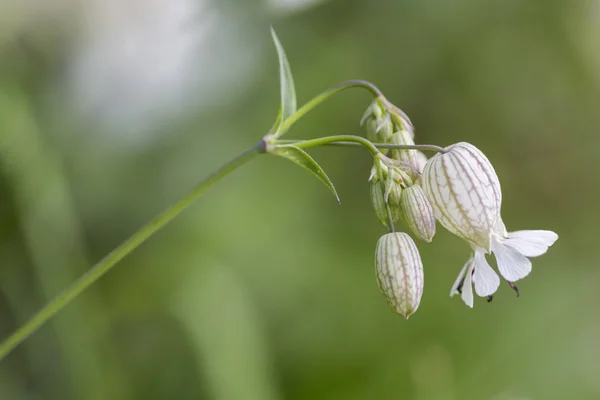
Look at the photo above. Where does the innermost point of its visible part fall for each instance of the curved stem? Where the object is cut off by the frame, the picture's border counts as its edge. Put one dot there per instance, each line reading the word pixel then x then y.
pixel 363 84
pixel 106 264
pixel 315 101
pixel 330 140
pixel 355 143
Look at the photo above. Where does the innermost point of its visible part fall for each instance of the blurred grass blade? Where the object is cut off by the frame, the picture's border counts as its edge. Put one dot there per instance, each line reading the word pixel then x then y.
pixel 302 158
pixel 288 90
pixel 109 261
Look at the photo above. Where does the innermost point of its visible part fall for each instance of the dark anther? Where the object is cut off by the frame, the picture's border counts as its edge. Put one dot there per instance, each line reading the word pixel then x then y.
pixel 460 286
pixel 490 298
pixel 514 287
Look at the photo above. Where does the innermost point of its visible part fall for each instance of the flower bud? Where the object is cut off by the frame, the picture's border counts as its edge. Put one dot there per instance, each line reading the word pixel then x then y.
pixel 377 122
pixel 417 213
pixel 399 272
pixel 380 205
pixel 384 130
pixel 393 187
pixel 464 191
pixel 409 157
pixel 400 119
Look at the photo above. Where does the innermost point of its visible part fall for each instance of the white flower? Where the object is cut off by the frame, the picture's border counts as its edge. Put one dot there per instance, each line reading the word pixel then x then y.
pixel 399 272
pixel 466 197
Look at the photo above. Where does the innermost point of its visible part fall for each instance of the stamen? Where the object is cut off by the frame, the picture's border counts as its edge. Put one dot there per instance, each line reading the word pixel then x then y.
pixel 460 286
pixel 514 287
pixel 490 298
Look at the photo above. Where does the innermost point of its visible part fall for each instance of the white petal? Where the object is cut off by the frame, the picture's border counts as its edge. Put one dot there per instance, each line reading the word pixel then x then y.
pixel 500 228
pixel 461 278
pixel 546 237
pixel 531 243
pixel 512 264
pixel 467 288
pixel 485 279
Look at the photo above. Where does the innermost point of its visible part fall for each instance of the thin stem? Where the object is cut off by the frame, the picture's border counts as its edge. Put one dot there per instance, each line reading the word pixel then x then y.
pixel 315 101
pixel 329 140
pixel 354 143
pixel 105 265
pixel 363 84
pixel 390 219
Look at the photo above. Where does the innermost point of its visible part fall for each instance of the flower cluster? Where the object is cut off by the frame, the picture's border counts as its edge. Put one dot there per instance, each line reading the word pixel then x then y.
pixel 457 187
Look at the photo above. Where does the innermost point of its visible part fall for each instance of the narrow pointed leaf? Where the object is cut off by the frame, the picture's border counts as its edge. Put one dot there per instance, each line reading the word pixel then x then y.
pixel 288 90
pixel 302 158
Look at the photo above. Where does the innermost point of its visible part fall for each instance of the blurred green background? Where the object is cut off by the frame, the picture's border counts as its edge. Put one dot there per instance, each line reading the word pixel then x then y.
pixel 111 110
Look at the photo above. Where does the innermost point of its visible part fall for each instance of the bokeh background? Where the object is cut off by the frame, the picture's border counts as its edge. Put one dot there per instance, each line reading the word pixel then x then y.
pixel 110 110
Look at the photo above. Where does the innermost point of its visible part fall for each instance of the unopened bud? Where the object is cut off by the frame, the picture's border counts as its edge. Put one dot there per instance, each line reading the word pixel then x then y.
pixel 384 130
pixel 399 272
pixel 394 184
pixel 380 205
pixel 409 157
pixel 400 119
pixel 372 119
pixel 387 183
pixel 371 125
pixel 378 122
pixel 417 212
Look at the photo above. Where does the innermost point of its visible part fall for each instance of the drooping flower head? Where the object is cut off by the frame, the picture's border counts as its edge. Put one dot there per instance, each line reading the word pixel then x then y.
pixel 465 193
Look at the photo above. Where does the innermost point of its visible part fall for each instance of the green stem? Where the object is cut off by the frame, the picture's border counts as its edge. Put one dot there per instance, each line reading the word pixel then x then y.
pixel 352 140
pixel 330 140
pixel 315 101
pixel 105 265
pixel 390 218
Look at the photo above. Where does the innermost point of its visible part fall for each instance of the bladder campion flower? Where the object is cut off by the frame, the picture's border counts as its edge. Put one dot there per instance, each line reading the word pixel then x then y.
pixel 466 197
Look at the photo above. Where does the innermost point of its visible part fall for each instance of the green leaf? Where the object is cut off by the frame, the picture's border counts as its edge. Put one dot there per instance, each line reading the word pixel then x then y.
pixel 288 90
pixel 300 157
